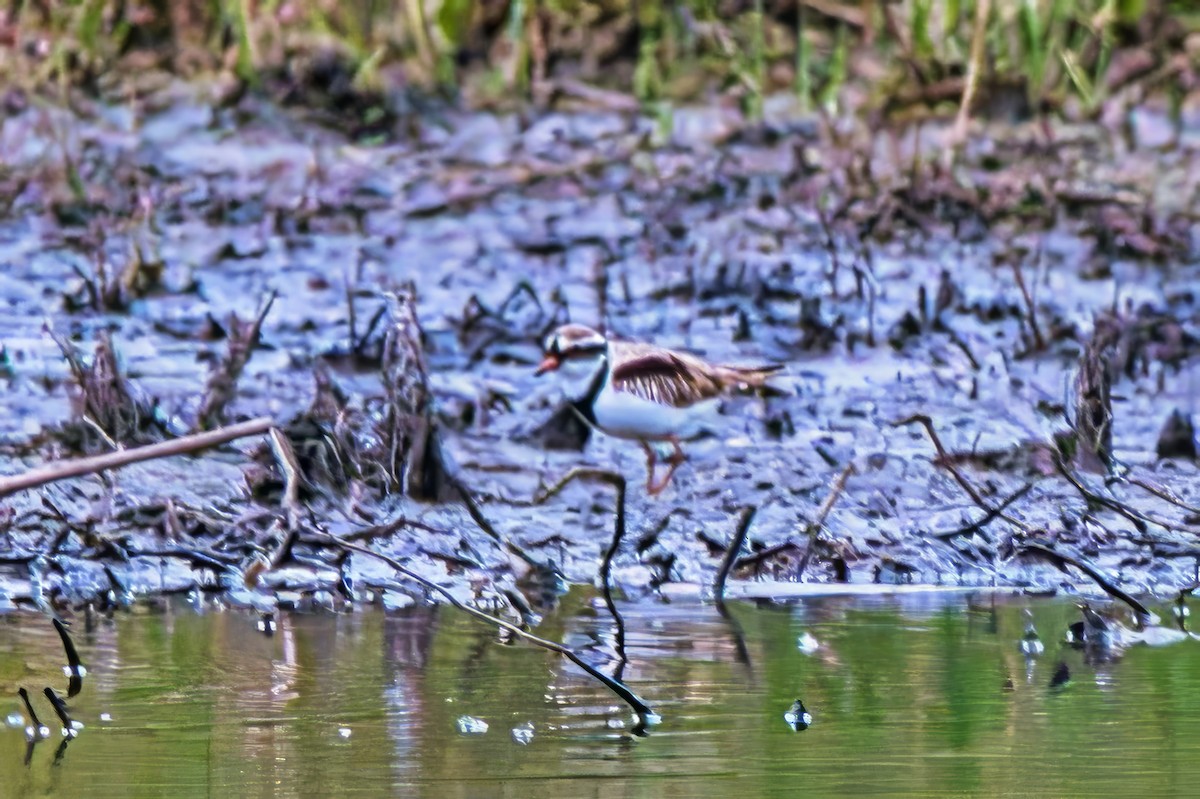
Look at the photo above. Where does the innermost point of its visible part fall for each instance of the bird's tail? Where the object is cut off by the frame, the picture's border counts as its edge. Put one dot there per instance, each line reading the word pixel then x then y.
pixel 745 377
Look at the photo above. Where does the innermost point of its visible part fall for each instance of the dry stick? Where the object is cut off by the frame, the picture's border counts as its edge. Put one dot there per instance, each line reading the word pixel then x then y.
pixel 735 546
pixel 1062 561
pixel 285 456
pixel 1038 341
pixel 114 460
pixel 814 527
pixel 633 700
pixel 958 133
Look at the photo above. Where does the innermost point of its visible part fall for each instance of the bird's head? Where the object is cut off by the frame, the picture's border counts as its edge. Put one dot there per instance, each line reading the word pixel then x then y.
pixel 570 342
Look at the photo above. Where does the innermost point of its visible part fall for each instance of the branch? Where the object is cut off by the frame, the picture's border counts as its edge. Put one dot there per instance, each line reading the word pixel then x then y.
pixel 1062 561
pixel 114 460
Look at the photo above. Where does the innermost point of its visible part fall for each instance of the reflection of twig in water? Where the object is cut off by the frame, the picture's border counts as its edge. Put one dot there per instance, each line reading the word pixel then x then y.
pixel 739 636
pixel 617 481
pixel 616 686
pixel 731 556
pixel 814 527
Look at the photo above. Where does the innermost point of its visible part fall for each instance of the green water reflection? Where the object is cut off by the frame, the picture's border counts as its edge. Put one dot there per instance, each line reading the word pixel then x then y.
pixel 924 696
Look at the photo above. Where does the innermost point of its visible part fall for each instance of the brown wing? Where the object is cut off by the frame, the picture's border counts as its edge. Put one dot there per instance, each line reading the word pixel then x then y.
pixel 667 377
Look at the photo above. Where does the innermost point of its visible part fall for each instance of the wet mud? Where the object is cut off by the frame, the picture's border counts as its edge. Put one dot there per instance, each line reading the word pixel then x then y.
pixel 168 266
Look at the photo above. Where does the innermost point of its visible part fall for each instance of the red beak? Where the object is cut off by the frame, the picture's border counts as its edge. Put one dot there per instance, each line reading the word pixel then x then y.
pixel 551 363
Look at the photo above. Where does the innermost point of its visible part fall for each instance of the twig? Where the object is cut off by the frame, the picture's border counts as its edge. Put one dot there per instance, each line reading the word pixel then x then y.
pixel 39 730
pixel 1164 495
pixel 731 552
pixel 114 460
pixel 216 561
pixel 814 527
pixel 391 528
pixel 614 479
pixel 486 526
pixel 943 458
pixel 988 517
pixel 617 481
pixel 766 554
pixel 222 382
pixel 629 697
pixel 1039 342
pixel 1138 520
pixel 285 456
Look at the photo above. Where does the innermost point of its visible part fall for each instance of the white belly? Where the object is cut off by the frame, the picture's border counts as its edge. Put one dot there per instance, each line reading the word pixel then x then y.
pixel 629 416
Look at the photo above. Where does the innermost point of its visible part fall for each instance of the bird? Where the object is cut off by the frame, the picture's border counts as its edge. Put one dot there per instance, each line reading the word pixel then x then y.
pixel 798 717
pixel 646 393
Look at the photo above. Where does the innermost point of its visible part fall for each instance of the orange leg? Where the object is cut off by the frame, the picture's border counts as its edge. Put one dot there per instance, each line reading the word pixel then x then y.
pixel 675 460
pixel 651 459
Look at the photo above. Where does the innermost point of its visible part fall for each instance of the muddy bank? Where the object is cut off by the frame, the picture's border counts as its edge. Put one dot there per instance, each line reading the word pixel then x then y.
pixel 889 285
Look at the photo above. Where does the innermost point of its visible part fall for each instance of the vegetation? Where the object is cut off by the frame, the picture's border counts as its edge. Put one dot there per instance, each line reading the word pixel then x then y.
pixel 1039 54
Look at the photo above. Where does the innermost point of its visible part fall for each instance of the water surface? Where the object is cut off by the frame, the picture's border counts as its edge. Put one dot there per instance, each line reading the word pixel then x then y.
pixel 922 695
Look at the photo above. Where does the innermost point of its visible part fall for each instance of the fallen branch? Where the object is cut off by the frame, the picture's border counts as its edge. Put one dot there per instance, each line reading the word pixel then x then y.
pixel 1062 561
pixel 644 712
pixel 115 460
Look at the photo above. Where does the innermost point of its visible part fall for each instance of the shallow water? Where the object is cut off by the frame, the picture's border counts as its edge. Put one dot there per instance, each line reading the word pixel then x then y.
pixel 918 695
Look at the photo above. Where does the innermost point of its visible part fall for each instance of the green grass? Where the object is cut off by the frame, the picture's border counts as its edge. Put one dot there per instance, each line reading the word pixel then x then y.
pixel 660 51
